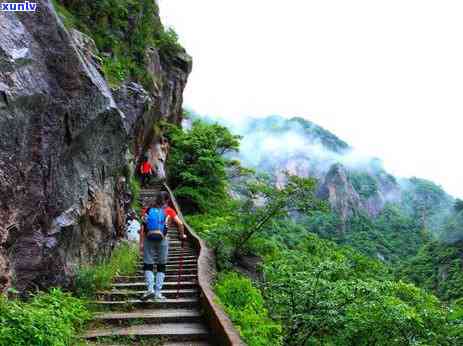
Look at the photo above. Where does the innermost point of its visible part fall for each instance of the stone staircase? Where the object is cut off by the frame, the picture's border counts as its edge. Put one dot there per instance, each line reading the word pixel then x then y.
pixel 124 319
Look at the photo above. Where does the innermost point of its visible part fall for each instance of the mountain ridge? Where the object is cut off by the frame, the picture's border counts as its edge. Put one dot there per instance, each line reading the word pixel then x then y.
pixel 316 152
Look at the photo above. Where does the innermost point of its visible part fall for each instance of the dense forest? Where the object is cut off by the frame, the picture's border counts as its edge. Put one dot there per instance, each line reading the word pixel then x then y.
pixel 294 272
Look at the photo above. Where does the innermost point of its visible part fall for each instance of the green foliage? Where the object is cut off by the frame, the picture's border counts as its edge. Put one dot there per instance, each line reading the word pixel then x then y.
pixel 167 41
pixel 455 319
pixel 245 307
pixel 48 319
pixel 427 202
pixel 323 293
pixel 135 188
pixel 115 70
pixel 68 19
pixel 452 229
pixel 438 268
pixel 364 183
pixel 392 235
pixel 329 295
pixel 298 195
pixel 91 279
pixel 320 292
pixel 197 166
pixel 214 227
pixel 246 226
pixel 123 30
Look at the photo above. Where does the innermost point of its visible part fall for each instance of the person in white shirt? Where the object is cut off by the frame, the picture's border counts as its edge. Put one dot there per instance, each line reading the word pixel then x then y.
pixel 133 228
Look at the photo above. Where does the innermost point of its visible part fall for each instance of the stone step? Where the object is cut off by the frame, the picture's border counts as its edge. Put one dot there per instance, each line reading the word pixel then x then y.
pixel 138 278
pixel 192 269
pixel 148 316
pixel 178 256
pixel 151 342
pixel 179 248
pixel 149 304
pixel 177 244
pixel 174 271
pixel 175 265
pixel 177 259
pixel 190 265
pixel 118 295
pixel 169 331
pixel 179 251
pixel 167 285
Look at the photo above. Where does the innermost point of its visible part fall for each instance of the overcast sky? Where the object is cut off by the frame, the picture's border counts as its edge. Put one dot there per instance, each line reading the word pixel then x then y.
pixel 386 76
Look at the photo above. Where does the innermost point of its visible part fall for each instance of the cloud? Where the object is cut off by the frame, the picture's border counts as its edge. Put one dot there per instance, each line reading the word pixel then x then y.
pixel 385 76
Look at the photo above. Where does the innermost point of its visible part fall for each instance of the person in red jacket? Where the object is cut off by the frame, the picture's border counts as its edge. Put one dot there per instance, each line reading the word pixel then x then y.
pixel 146 171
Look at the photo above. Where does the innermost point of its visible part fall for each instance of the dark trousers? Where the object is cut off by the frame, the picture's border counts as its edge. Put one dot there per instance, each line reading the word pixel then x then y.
pixel 144 179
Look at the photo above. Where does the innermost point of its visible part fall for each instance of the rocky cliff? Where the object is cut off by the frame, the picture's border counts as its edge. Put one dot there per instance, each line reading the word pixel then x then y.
pixel 66 139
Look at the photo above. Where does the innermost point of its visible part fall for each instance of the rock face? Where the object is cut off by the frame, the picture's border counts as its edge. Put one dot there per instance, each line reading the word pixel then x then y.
pixel 338 190
pixel 65 139
pixel 350 182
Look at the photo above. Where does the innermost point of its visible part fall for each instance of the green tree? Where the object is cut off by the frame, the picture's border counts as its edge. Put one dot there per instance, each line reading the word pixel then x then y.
pixel 327 295
pixel 262 202
pixel 197 164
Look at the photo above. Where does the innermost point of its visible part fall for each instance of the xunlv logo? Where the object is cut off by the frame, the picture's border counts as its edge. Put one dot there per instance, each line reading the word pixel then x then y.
pixel 18 6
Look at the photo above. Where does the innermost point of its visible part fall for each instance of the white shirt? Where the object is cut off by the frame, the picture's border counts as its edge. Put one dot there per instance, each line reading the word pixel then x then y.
pixel 133 230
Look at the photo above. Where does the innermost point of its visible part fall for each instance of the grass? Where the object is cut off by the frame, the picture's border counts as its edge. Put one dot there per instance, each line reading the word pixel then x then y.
pixel 48 319
pixel 91 279
pixel 135 188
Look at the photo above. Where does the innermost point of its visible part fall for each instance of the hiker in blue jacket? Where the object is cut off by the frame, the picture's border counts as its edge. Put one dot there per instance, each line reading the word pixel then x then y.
pixel 154 243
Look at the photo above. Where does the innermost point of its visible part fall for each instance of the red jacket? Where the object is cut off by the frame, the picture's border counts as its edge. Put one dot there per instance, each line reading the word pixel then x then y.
pixel 146 168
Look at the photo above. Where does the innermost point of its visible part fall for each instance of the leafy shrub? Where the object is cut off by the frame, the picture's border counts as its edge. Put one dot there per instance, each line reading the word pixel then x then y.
pixel 48 319
pixel 167 41
pixel 245 306
pixel 91 279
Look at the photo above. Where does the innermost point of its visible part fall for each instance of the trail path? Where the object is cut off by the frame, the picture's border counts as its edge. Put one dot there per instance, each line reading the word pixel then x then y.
pixel 126 320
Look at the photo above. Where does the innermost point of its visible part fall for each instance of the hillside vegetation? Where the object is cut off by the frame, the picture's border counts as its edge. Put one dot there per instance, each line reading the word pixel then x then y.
pixel 123 31
pixel 304 290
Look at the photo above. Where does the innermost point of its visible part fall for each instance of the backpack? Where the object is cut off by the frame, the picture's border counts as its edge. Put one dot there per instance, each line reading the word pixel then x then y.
pixel 156 224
